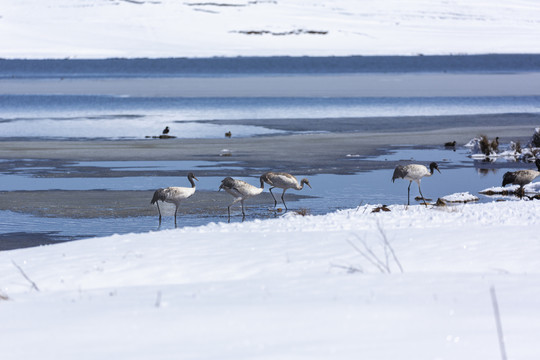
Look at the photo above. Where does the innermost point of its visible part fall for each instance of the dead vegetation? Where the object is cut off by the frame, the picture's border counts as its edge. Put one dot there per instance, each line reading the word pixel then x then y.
pixel 381 255
pixel 302 212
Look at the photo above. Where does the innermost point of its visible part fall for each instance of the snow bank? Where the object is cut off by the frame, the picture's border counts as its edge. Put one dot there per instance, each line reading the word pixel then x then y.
pixel 170 28
pixel 530 189
pixel 462 197
pixel 293 287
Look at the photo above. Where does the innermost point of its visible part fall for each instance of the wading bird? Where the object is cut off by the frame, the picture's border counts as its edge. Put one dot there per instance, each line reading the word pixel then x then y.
pixel 283 181
pixel 521 178
pixel 240 190
pixel 174 195
pixel 414 172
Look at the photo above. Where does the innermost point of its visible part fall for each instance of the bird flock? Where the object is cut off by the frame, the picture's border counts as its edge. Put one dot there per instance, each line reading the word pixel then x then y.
pixel 238 189
pixel 241 190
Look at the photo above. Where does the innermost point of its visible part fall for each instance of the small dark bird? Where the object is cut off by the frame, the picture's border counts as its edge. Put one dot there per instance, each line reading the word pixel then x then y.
pixel 283 181
pixel 450 144
pixel 521 177
pixel 414 172
pixel 166 130
pixel 495 145
pixel 174 195
pixel 228 134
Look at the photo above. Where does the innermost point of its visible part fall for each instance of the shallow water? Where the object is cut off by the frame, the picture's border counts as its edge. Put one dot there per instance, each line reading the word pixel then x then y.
pixel 459 173
pixel 106 117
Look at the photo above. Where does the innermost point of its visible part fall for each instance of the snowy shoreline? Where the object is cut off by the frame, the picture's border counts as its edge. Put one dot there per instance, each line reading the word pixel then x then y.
pixel 294 287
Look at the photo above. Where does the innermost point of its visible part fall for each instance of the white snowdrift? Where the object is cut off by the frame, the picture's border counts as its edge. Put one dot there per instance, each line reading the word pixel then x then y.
pixel 171 28
pixel 287 288
pixel 462 197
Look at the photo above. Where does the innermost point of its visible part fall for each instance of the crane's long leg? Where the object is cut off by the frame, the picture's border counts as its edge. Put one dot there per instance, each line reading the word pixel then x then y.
pixel 229 207
pixel 275 201
pixel 409 194
pixel 425 202
pixel 159 211
pixel 175 211
pixel 282 195
pixel 243 213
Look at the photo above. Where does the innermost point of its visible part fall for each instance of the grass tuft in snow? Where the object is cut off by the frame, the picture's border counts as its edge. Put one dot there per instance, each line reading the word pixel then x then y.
pixel 382 257
pixel 34 286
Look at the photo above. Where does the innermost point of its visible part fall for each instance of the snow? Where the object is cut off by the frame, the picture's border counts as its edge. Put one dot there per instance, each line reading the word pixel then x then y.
pixel 286 288
pixel 460 197
pixel 530 189
pixel 171 28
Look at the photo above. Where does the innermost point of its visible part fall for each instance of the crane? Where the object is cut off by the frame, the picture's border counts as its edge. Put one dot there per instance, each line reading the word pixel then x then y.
pixel 414 172
pixel 174 195
pixel 283 181
pixel 241 191
pixel 521 177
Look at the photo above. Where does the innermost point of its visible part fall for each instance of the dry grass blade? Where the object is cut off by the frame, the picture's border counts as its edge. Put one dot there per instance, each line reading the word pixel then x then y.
pixel 34 286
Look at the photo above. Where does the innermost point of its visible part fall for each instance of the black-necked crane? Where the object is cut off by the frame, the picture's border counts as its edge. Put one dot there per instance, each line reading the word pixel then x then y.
pixel 240 190
pixel 521 177
pixel 283 181
pixel 174 195
pixel 414 172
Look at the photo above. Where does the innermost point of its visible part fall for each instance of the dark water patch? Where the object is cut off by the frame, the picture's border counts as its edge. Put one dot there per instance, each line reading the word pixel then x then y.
pixel 169 67
pixel 19 240
pixel 391 123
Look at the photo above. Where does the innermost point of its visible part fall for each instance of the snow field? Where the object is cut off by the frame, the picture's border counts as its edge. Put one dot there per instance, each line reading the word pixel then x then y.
pixel 291 287
pixel 169 28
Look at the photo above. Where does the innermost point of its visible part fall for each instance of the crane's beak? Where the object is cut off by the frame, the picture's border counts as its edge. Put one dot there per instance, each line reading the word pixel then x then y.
pixel 438 170
pixel 195 178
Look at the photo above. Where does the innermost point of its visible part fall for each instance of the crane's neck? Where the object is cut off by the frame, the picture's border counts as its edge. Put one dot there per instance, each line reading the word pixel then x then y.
pixel 262 182
pixel 191 181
